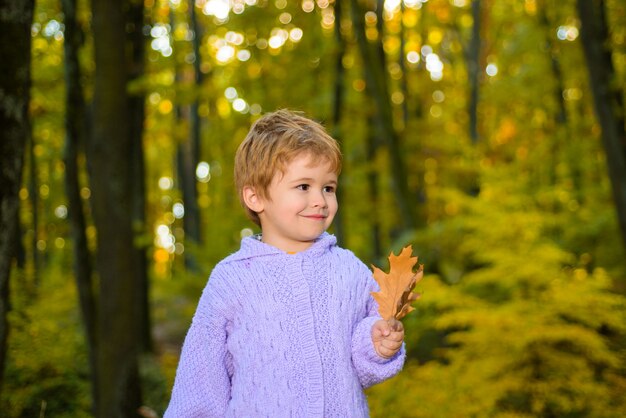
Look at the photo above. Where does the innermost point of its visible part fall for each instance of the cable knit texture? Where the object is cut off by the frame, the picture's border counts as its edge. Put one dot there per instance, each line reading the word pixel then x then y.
pixel 282 335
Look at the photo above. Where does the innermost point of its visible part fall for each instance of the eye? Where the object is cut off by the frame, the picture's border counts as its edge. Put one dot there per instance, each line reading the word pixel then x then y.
pixel 303 187
pixel 329 189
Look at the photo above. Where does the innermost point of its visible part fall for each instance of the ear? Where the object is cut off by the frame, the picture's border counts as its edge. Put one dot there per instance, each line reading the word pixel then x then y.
pixel 252 199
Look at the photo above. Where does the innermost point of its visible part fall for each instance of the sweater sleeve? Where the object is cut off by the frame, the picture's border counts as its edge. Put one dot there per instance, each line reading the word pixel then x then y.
pixel 202 384
pixel 370 367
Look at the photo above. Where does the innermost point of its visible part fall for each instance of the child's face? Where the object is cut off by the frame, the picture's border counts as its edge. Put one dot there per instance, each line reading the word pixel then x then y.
pixel 301 204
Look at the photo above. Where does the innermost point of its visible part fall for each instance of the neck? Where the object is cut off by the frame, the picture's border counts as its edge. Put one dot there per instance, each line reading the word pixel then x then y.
pixel 288 247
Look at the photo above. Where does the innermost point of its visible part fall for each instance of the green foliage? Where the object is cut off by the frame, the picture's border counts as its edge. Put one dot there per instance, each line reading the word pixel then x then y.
pixel 527 330
pixel 522 313
pixel 155 385
pixel 174 299
pixel 47 372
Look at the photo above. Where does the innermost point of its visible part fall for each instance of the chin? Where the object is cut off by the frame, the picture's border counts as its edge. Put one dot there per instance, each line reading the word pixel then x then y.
pixel 311 237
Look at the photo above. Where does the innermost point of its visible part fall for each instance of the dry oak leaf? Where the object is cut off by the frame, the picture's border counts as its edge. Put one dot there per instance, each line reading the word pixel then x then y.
pixel 396 287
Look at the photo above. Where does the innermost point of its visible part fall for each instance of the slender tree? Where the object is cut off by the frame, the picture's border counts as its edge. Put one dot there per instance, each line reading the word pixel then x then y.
pixel 377 88
pixel 473 70
pixel 555 65
pixel 372 146
pixel 33 193
pixel 136 106
pixel 607 98
pixel 404 84
pixel 560 115
pixel 20 251
pixel 16 19
pixel 110 154
pixel 188 150
pixel 75 138
pixel 181 137
pixel 192 212
pixel 338 99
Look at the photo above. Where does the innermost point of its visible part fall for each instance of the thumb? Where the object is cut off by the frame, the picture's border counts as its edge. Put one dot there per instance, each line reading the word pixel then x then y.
pixel 385 328
pixel 395 325
pixel 380 329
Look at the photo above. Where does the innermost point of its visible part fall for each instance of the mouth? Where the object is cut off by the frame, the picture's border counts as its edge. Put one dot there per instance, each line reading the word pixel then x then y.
pixel 316 217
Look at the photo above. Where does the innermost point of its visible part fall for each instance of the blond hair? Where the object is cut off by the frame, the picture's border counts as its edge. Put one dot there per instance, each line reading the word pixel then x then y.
pixel 272 143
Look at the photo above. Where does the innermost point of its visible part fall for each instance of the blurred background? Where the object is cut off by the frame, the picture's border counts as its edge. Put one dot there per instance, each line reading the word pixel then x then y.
pixel 488 134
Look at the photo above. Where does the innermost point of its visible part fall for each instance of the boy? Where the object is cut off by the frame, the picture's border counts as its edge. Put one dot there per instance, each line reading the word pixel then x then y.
pixel 286 326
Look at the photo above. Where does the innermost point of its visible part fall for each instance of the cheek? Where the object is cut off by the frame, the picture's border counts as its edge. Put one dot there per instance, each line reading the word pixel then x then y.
pixel 333 205
pixel 294 204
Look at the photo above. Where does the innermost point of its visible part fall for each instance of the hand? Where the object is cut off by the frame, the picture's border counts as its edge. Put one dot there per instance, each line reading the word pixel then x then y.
pixel 387 337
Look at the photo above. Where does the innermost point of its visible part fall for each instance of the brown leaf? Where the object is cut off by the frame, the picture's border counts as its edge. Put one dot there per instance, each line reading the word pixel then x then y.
pixel 396 287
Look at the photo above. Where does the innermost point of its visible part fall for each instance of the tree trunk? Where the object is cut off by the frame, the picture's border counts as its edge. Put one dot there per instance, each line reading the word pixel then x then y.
pixel 75 137
pixel 33 193
pixel 192 213
pixel 20 251
pixel 404 85
pixel 337 109
pixel 376 82
pixel 16 18
pixel 473 67
pixel 372 188
pixel 607 98
pixel 555 65
pixel 109 153
pixel 561 130
pixel 187 163
pixel 188 148
pixel 136 106
pixel 187 156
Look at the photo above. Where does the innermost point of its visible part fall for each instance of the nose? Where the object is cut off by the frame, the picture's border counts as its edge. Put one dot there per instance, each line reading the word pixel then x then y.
pixel 319 200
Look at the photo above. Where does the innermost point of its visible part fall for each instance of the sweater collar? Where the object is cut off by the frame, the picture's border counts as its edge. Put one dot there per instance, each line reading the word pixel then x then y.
pixel 252 247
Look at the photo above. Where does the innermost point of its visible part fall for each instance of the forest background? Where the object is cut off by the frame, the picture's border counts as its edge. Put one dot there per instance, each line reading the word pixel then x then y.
pixel 488 134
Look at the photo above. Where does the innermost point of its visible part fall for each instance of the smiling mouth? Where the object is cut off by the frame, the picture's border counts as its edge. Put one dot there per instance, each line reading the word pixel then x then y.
pixel 316 217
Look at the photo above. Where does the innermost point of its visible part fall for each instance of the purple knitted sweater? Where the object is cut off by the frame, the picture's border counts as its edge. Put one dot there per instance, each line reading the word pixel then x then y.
pixel 282 335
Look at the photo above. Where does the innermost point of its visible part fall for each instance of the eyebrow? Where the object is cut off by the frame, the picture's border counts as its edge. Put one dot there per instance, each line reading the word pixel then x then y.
pixel 310 179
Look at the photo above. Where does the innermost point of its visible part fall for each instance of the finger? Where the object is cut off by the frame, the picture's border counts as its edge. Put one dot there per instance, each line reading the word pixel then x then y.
pixel 382 327
pixel 395 336
pixel 377 332
pixel 395 325
pixel 385 328
pixel 384 352
pixel 391 345
pixel 387 352
pixel 400 333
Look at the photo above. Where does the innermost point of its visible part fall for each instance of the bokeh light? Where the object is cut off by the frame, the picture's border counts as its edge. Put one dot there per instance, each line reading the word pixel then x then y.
pixel 178 209
pixel 243 55
pixel 225 53
pixel 230 93
pixel 567 33
pixel 60 212
pixel 240 105
pixel 434 65
pixel 220 9
pixel 308 6
pixel 161 41
pixel 413 57
pixel 166 183
pixel 203 172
